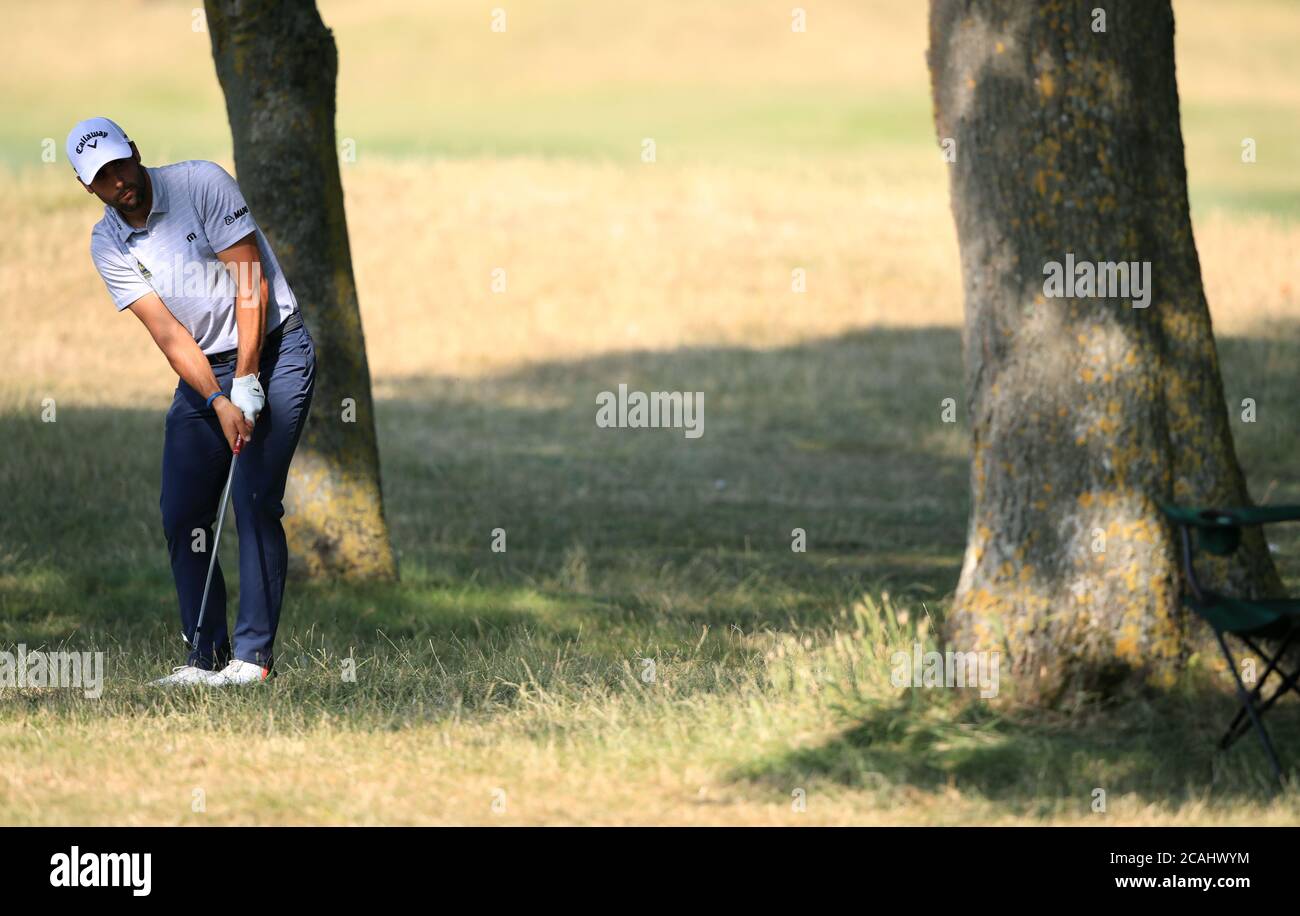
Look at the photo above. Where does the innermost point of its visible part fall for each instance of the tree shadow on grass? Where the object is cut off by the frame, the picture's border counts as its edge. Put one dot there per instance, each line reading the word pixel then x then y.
pixel 843 439
pixel 643 535
pixel 637 536
pixel 1161 748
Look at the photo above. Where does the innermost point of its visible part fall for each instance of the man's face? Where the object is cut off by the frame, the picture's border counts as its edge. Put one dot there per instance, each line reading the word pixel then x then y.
pixel 120 183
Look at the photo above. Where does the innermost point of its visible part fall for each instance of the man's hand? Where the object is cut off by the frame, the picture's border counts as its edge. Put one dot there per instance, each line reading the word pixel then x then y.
pixel 232 421
pixel 246 394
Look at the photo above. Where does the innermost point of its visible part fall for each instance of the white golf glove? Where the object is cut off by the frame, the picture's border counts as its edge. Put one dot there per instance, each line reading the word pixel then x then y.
pixel 246 394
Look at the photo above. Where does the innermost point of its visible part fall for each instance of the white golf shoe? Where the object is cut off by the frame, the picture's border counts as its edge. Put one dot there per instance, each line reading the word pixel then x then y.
pixel 185 675
pixel 238 673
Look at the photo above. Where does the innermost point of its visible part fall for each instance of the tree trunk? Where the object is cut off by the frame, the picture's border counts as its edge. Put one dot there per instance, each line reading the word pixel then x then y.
pixel 1085 411
pixel 277 64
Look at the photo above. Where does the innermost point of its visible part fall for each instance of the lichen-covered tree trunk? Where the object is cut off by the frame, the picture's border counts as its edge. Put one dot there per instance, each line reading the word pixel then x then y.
pixel 277 64
pixel 1085 411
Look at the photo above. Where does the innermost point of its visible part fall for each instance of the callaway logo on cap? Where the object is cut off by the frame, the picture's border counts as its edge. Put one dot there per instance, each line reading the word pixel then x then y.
pixel 93 143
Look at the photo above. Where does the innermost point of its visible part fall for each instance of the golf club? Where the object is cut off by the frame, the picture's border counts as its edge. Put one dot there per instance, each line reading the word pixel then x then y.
pixel 216 539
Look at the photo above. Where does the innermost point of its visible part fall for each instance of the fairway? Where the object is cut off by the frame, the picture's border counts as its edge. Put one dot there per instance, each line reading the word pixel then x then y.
pixel 648 648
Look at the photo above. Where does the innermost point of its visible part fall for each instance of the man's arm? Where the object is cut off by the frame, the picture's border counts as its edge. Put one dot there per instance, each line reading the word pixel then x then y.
pixel 188 361
pixel 244 263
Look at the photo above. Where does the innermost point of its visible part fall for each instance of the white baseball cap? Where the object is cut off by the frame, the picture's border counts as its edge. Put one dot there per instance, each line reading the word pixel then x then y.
pixel 93 143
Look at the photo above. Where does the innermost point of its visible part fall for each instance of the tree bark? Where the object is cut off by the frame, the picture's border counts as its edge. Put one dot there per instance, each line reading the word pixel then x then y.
pixel 1085 411
pixel 278 64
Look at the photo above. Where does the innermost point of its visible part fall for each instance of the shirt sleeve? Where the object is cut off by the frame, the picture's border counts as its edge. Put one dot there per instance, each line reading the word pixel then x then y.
pixel 125 285
pixel 220 205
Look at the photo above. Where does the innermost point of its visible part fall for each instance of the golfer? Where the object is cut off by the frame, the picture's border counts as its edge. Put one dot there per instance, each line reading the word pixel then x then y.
pixel 178 246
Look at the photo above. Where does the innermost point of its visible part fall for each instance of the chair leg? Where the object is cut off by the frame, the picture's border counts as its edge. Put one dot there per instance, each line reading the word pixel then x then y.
pixel 1272 662
pixel 1289 682
pixel 1248 704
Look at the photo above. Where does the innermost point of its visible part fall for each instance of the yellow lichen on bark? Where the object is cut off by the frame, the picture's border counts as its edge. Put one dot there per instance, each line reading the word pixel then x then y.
pixel 334 522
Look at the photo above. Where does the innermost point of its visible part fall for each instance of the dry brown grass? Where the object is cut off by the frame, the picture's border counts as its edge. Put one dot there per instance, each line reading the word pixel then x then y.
pixel 598 259
pixel 602 256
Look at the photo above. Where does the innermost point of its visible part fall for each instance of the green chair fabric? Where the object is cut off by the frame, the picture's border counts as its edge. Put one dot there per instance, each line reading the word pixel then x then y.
pixel 1218 532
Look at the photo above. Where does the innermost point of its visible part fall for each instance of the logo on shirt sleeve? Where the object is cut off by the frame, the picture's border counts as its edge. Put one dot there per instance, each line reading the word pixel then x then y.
pixel 236 215
pixel 144 271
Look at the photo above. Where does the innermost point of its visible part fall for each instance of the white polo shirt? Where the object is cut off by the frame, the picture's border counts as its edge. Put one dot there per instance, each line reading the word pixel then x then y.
pixel 198 210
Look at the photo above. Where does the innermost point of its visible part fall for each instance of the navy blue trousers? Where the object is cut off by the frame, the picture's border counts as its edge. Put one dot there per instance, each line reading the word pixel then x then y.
pixel 196 461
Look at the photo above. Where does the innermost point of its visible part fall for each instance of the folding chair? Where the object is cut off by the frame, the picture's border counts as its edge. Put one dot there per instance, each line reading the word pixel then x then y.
pixel 1253 621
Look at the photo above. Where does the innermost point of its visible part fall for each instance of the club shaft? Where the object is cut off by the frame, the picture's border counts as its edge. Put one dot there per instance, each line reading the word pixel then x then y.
pixel 216 542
